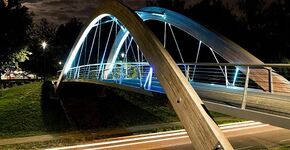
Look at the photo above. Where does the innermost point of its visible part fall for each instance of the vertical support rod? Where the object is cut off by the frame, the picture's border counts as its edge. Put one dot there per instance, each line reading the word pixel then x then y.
pixel 226 76
pixel 79 69
pixel 270 81
pixel 121 74
pixel 92 46
pixel 187 72
pixel 216 59
pixel 105 51
pixel 99 40
pixel 244 103
pixel 196 59
pixel 126 65
pixel 88 73
pixel 165 34
pixel 139 67
pixel 235 76
pixel 176 43
pixel 78 64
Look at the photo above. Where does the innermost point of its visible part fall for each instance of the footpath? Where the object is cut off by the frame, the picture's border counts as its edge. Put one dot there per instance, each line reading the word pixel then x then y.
pixel 92 134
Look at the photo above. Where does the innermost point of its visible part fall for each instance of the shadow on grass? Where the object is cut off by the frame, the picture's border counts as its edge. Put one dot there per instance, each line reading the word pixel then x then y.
pixel 54 118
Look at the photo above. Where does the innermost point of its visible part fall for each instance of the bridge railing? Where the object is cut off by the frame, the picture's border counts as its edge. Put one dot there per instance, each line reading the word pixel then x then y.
pixel 220 74
pixel 141 75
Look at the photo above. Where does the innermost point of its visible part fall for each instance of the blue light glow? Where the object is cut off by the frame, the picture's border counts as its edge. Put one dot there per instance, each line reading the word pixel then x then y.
pixel 150 78
pixel 109 66
pixel 160 15
pixel 236 75
pixel 80 41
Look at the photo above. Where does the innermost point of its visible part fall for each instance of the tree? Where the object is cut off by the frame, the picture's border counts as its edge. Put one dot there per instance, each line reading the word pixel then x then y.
pixel 260 26
pixel 268 28
pixel 218 17
pixel 40 32
pixel 15 22
pixel 60 40
pixel 65 37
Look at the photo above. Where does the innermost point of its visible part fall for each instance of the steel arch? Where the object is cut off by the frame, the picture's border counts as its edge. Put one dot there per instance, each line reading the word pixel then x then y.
pixel 227 49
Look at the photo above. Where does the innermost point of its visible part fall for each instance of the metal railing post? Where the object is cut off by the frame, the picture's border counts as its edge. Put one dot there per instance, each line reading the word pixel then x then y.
pixel 187 72
pixel 78 74
pixel 244 102
pixel 88 72
pixel 226 76
pixel 271 90
pixel 121 74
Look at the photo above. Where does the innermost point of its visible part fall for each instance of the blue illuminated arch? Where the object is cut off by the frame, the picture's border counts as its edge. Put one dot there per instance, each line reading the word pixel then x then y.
pixel 227 49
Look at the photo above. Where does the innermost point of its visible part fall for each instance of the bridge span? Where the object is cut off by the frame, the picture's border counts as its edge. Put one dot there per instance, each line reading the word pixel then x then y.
pixel 196 68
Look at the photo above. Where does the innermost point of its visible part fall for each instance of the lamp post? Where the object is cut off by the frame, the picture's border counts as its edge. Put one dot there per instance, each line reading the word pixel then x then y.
pixel 44 45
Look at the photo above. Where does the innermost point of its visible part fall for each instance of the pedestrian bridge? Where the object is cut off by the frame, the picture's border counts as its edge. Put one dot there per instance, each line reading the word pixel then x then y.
pixel 158 50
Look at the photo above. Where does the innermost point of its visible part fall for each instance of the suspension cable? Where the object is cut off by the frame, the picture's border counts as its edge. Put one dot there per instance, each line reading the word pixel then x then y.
pixel 176 43
pixel 92 46
pixel 105 51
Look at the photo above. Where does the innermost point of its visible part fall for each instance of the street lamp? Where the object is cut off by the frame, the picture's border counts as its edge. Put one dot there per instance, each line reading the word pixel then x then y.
pixel 44 45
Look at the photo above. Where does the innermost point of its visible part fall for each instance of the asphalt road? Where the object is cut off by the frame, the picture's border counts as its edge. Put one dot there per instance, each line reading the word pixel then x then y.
pixel 247 135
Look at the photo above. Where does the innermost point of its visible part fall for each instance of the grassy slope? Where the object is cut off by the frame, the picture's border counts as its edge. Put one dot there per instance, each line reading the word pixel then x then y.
pixel 20 112
pixel 161 107
pixel 21 115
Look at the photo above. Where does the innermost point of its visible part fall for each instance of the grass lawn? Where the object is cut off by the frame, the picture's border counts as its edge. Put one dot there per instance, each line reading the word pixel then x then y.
pixel 20 113
pixel 160 106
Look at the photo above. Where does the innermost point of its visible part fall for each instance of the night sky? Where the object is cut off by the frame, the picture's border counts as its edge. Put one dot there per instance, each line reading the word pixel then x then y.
pixel 60 11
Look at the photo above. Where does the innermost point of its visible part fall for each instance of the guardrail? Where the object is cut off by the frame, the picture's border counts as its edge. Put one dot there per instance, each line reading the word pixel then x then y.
pixel 230 75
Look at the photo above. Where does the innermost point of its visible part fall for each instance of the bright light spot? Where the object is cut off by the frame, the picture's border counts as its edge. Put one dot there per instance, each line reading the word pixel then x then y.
pixel 59 62
pixel 122 55
pixel 44 44
pixel 150 78
pixel 160 15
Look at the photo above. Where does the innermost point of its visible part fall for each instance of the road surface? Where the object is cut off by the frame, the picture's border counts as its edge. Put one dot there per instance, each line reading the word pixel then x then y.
pixel 246 135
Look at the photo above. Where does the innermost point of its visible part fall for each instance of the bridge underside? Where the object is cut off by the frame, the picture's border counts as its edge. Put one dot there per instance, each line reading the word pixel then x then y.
pixel 269 108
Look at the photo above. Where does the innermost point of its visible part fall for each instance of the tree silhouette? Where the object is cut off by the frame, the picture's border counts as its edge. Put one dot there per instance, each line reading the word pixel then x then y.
pixel 215 16
pixel 175 5
pixel 260 26
pixel 60 40
pixel 15 22
pixel 65 37
pixel 268 28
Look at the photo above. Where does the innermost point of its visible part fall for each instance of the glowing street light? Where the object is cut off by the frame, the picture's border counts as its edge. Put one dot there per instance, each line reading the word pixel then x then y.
pixel 43 44
pixel 122 55
pixel 59 62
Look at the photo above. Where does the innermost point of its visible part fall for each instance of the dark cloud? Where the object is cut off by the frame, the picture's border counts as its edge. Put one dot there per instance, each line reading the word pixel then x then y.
pixel 59 11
